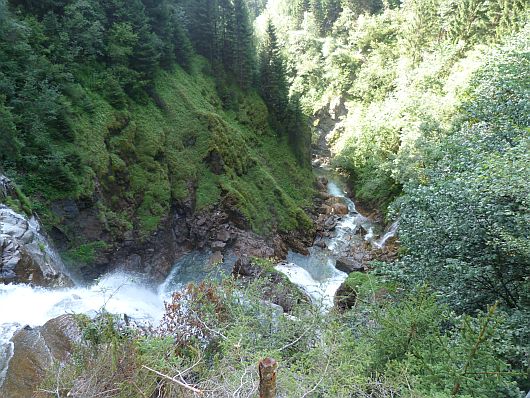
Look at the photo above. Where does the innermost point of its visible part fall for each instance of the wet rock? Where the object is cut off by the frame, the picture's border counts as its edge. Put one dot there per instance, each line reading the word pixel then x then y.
pixel 325 209
pixel 322 180
pixel 340 209
pixel 330 223
pixel 280 247
pixel 361 231
pixel 345 298
pixel 216 258
pixel 25 256
pixel 224 235
pixel 349 265
pixel 324 195
pixel 334 200
pixel 36 350
pixel 277 288
pixel 218 245
pixel 296 245
pixel 321 243
pixel 254 246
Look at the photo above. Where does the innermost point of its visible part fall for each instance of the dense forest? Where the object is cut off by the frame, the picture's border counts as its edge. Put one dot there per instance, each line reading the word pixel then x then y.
pixel 136 110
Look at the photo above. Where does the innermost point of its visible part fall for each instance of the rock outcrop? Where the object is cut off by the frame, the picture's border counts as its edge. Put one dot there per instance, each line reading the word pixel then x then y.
pixel 349 265
pixel 277 288
pixel 220 228
pixel 345 298
pixel 36 350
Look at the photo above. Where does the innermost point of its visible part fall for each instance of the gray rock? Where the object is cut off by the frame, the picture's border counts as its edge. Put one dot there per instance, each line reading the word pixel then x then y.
pixel 25 255
pixel 218 245
pixel 348 265
pixel 35 352
pixel 224 235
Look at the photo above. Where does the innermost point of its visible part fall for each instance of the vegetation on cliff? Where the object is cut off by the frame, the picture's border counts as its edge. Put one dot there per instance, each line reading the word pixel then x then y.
pixel 140 106
pixel 107 102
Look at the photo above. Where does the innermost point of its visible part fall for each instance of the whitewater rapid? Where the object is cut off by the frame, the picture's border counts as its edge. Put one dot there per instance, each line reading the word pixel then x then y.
pixel 316 273
pixel 117 292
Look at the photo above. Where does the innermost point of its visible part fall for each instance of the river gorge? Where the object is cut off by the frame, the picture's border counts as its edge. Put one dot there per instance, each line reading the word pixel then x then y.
pixel 343 236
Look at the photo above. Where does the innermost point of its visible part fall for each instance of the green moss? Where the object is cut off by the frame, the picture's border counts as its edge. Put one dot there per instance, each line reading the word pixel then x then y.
pixel 143 157
pixel 84 254
pixel 367 285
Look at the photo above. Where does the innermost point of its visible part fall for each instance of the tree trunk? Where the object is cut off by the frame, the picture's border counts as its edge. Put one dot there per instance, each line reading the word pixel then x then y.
pixel 267 378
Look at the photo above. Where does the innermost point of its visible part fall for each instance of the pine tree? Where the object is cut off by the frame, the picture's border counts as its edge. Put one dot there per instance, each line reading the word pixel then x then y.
pixel 318 15
pixel 204 27
pixel 298 132
pixel 227 34
pixel 273 84
pixel 243 67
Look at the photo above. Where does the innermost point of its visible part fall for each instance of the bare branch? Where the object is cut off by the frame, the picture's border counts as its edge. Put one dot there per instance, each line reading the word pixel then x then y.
pixel 184 385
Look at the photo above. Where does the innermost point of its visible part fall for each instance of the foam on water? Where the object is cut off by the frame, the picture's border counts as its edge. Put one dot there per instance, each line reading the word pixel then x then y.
pixel 321 292
pixel 316 273
pixel 118 293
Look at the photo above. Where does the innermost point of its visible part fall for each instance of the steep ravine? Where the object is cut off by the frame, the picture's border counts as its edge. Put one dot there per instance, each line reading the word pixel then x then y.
pixel 188 248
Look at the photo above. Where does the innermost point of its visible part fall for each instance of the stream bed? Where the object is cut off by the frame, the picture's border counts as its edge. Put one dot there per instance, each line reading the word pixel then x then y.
pixel 316 273
pixel 125 293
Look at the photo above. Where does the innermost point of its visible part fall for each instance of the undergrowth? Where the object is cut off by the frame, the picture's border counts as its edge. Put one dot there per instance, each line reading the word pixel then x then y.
pixel 213 334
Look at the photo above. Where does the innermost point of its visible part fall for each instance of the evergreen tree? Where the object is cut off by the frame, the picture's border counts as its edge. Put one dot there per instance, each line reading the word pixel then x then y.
pixel 318 15
pixel 204 28
pixel 273 84
pixel 244 62
pixel 299 133
pixel 227 34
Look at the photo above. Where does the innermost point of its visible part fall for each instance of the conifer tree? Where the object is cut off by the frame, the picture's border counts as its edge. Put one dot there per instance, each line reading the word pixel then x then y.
pixel 298 132
pixel 273 84
pixel 227 34
pixel 244 61
pixel 204 27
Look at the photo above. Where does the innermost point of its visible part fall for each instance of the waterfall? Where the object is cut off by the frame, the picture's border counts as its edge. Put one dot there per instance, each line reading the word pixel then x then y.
pixel 316 274
pixel 391 232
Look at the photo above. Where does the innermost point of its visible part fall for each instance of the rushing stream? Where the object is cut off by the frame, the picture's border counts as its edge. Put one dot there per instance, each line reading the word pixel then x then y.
pixel 123 293
pixel 316 273
pixel 117 292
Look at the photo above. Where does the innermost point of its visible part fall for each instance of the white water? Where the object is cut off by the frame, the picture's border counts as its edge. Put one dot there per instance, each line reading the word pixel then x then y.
pixel 118 293
pixel 316 274
pixel 321 291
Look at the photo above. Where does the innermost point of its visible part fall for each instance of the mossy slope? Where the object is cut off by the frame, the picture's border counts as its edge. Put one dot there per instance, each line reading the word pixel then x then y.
pixel 180 143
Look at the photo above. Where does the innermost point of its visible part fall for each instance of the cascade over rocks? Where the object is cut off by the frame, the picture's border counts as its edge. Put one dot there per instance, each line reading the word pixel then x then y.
pixel 277 289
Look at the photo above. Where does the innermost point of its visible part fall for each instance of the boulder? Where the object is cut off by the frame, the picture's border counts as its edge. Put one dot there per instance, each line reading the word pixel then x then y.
pixel 25 255
pixel 35 351
pixel 277 288
pixel 321 243
pixel 345 298
pixel 216 258
pixel 330 223
pixel 218 245
pixel 340 209
pixel 325 209
pixel 349 265
pixel 224 235
pixel 332 200
pixel 322 180
pixel 296 244
pixel 324 195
